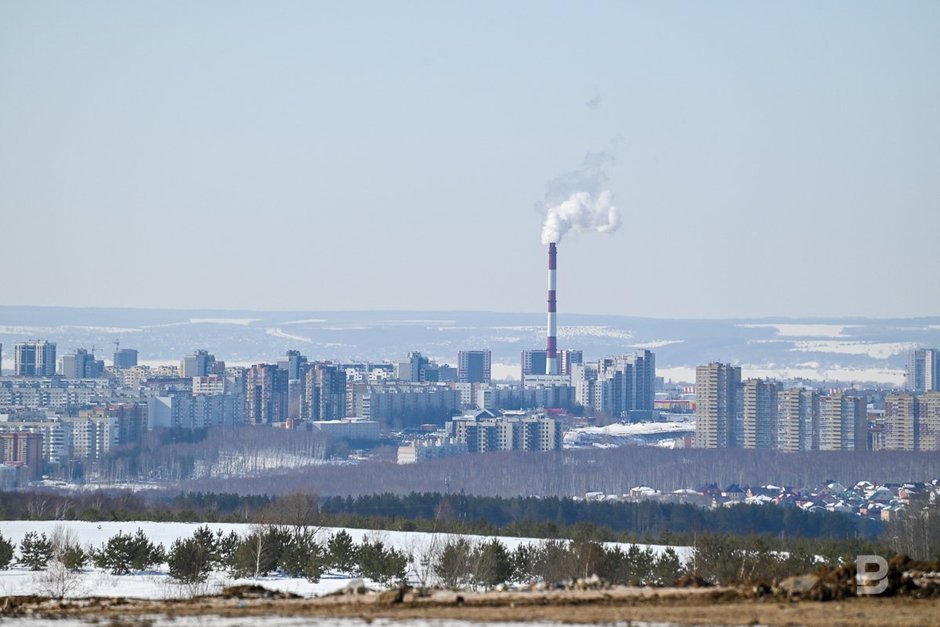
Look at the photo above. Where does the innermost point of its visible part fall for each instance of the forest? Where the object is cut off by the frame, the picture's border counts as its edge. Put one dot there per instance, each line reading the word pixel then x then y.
pixel 576 472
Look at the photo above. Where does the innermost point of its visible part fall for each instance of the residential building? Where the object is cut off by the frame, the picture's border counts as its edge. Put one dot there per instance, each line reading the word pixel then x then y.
pixel 843 422
pixel 929 434
pixel 483 432
pixel 265 394
pixel 923 370
pixel 22 448
pixel 199 364
pixel 474 366
pixel 902 422
pixel 53 393
pixel 324 392
pixel 533 363
pixel 797 420
pixel 125 358
pixel 403 404
pixel 195 411
pixel 912 422
pixel 717 402
pixel 416 368
pixel 567 358
pixel 35 358
pixel 759 413
pixel 294 363
pixel 81 365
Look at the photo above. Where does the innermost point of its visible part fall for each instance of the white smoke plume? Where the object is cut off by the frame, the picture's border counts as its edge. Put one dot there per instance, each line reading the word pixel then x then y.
pixel 579 201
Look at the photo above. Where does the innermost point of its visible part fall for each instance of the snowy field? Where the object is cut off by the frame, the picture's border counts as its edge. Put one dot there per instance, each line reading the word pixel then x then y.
pixel 157 584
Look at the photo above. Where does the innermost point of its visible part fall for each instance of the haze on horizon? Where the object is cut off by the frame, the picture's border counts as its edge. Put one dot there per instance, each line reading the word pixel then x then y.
pixel 766 159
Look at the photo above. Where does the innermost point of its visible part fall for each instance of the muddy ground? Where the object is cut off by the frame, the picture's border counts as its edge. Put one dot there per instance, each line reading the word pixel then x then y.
pixel 684 606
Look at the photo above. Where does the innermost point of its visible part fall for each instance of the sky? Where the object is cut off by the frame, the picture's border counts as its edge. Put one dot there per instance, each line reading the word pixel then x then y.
pixel 765 158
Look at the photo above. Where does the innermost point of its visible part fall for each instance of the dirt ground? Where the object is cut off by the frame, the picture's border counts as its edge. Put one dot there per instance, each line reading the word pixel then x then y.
pixel 709 606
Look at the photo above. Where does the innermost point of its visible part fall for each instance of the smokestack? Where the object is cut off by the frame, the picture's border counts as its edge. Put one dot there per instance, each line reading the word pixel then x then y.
pixel 551 346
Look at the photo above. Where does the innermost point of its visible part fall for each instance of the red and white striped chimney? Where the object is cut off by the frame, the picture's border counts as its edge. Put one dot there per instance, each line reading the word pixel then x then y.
pixel 551 346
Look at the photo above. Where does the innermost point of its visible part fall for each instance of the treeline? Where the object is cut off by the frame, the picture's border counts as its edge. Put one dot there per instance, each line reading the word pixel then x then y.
pixel 648 522
pixel 645 518
pixel 575 472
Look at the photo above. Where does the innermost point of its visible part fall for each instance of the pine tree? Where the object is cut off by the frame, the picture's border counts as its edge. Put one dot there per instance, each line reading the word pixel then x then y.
pixel 189 561
pixel 493 564
pixel 303 556
pixel 35 551
pixel 123 554
pixel 453 564
pixel 379 563
pixel 341 552
pixel 6 552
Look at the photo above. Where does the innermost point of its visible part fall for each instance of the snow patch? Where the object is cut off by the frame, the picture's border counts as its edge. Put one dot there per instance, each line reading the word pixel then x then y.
pixel 805 330
pixel 656 344
pixel 278 332
pixel 875 350
pixel 242 322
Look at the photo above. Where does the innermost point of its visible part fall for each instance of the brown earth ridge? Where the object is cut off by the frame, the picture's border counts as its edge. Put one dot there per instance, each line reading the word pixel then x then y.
pixel 825 597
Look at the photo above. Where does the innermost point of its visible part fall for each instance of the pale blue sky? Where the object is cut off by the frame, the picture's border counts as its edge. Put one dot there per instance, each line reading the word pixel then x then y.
pixel 773 158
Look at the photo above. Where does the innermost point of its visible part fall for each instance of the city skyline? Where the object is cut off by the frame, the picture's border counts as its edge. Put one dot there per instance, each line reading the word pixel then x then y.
pixel 313 156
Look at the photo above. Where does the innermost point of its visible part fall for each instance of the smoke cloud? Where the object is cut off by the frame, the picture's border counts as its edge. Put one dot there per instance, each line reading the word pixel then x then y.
pixel 579 201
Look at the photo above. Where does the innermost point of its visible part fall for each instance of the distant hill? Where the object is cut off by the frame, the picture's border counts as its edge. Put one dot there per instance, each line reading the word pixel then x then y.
pixel 845 349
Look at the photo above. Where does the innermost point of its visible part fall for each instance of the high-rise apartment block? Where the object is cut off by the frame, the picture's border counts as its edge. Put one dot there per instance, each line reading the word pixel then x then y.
pixel 533 363
pixel 912 422
pixel 759 413
pixel 265 394
pixel 23 447
pixel 474 366
pixel 923 370
pixel 199 364
pixel 34 359
pixel 81 365
pixel 717 399
pixel 843 422
pixel 325 392
pixel 294 363
pixel 125 358
pixel 797 420
pixel 416 368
